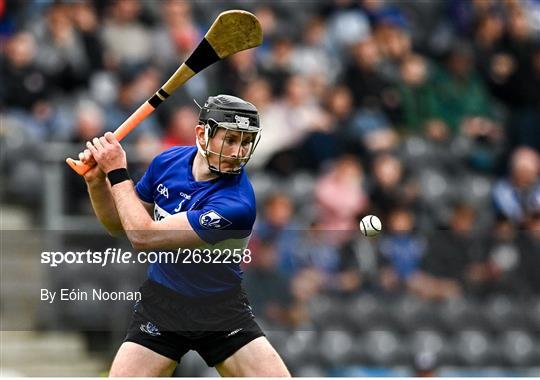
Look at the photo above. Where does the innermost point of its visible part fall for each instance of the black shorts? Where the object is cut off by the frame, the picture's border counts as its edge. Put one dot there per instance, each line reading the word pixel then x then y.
pixel 170 324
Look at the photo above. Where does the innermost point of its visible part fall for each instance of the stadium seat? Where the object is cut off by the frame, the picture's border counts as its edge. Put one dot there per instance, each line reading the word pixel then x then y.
pixel 382 347
pixel 263 184
pixel 427 341
pixel 278 338
pixel 517 348
pixel 336 347
pixel 434 186
pixel 301 187
pixel 473 347
pixel 326 311
pixel 459 314
pixel 300 346
pixel 475 189
pixel 365 312
pixel 532 311
pixel 309 370
pixel 410 313
pixel 502 313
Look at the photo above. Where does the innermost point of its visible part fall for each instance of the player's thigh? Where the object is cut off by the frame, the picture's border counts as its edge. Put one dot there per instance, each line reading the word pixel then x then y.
pixel 257 358
pixel 132 359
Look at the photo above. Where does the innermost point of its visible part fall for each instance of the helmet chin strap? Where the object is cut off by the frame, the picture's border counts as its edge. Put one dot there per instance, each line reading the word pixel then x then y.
pixel 202 151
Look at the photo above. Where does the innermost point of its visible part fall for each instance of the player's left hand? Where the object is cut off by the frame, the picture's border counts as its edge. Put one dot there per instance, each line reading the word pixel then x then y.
pixel 108 152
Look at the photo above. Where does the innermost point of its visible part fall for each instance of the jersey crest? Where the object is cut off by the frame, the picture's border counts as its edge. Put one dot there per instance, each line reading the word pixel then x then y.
pixel 211 219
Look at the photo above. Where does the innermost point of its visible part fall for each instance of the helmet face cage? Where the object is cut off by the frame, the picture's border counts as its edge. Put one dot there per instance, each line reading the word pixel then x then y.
pixel 233 115
pixel 211 129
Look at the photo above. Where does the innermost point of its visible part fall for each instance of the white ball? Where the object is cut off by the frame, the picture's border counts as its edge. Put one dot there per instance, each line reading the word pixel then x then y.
pixel 370 225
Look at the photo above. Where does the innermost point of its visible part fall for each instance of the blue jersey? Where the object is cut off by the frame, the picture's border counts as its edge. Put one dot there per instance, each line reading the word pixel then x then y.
pixel 221 211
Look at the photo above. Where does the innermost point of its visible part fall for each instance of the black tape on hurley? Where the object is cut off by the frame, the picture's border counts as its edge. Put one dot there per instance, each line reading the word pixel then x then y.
pixel 158 98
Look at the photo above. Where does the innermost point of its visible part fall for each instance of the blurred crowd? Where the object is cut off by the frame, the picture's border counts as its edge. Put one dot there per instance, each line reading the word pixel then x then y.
pixel 426 114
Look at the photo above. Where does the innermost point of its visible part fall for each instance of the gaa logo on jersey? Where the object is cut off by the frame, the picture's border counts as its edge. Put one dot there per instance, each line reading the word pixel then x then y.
pixel 212 219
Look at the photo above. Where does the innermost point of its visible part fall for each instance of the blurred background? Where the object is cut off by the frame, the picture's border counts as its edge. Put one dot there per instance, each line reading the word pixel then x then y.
pixel 425 113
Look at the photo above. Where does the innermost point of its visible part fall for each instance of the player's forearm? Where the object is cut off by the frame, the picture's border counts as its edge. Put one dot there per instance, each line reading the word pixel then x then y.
pixel 103 205
pixel 133 217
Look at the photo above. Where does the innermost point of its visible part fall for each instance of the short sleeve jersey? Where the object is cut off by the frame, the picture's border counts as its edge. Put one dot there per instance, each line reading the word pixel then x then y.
pixel 221 211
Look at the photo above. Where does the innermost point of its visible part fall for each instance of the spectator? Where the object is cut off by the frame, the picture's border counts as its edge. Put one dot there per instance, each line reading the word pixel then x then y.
pixel 237 72
pixel 392 186
pixel 495 66
pixel 89 123
pixel 137 84
pixel 522 126
pixel 401 251
pixel 458 91
pixel 324 145
pixel 259 93
pixel 322 252
pixel 278 64
pixel 519 194
pixel 270 25
pixel 532 92
pixel 497 271
pixel 394 41
pixel 373 131
pixel 23 83
pixel 415 94
pixel 368 87
pixel 175 39
pixel 86 22
pixel 268 289
pixel 340 195
pixel 480 143
pixel 347 25
pixel 291 119
pixel 277 224
pixel 518 40
pixel 315 54
pixel 172 42
pixel 121 28
pixel 449 253
pixel 180 129
pixel 62 52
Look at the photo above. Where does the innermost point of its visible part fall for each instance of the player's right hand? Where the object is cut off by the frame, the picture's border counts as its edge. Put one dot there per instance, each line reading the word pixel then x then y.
pixel 95 173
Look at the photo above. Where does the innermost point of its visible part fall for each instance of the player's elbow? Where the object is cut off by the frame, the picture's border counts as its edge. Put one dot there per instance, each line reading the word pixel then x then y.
pixel 141 240
pixel 138 243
